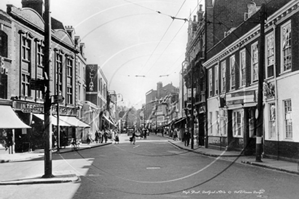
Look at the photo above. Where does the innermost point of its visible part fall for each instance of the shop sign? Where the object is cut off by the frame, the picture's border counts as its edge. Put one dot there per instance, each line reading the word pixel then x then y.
pixel 27 107
pixel 241 97
pixel 65 111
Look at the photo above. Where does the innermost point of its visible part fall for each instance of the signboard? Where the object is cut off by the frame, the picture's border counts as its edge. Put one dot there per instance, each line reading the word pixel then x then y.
pixel 65 111
pixel 241 97
pixel 28 107
pixel 92 77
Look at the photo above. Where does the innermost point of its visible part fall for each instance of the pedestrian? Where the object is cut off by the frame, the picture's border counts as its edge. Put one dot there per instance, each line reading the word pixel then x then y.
pixel 101 136
pixel 133 137
pixel 116 138
pixel 186 137
pixel 89 138
pixel 175 135
pixel 96 136
pixel 105 135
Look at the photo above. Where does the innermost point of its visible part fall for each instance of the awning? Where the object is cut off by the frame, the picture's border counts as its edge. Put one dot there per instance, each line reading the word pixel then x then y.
pixel 73 121
pixel 53 120
pixel 9 119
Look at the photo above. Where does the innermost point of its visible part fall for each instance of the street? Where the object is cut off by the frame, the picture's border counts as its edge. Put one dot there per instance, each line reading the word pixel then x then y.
pixel 152 168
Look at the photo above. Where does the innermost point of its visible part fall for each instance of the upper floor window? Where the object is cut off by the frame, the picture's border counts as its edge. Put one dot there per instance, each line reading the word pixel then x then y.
pixel 210 83
pixel 242 67
pixel 286 47
pixel 254 61
pixel 26 48
pixel 223 76
pixel 270 55
pixel 232 72
pixel 25 87
pixel 69 80
pixel 217 79
pixel 40 55
pixel 3 44
pixel 59 73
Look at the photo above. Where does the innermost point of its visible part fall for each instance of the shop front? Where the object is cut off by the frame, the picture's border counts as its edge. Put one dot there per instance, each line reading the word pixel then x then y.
pixel 10 126
pixel 240 107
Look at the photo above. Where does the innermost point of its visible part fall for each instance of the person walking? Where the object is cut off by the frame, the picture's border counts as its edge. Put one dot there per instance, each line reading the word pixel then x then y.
pixel 175 134
pixel 105 135
pixel 116 138
pixel 96 136
pixel 133 137
pixel 186 137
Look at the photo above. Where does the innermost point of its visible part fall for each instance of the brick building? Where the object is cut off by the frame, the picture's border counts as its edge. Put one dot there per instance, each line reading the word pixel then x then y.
pixel 232 67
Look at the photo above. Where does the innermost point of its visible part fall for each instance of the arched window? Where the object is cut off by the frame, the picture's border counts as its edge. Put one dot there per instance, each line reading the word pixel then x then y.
pixel 3 44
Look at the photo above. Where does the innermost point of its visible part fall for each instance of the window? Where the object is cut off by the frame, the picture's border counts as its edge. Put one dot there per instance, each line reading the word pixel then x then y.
pixel 242 68
pixel 254 61
pixel 223 122
pixel 232 72
pixel 217 122
pixel 270 55
pixel 59 76
pixel 272 121
pixel 3 44
pixel 210 83
pixel 210 124
pixel 286 47
pixel 69 80
pixel 26 46
pixel 217 79
pixel 237 123
pixel 288 118
pixel 25 88
pixel 40 67
pixel 223 78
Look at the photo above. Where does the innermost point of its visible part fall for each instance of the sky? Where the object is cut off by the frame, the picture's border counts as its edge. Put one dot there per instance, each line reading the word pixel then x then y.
pixel 135 42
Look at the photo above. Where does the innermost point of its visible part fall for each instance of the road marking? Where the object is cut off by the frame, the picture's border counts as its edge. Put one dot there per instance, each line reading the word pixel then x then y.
pixel 152 168
pixel 136 146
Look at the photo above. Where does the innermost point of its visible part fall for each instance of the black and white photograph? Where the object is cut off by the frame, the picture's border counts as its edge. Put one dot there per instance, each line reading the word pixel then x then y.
pixel 149 99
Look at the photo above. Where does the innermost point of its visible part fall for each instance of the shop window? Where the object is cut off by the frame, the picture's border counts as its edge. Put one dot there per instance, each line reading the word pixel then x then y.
pixel 232 72
pixel 270 55
pixel 272 121
pixel 254 61
pixel 288 118
pixel 237 123
pixel 286 47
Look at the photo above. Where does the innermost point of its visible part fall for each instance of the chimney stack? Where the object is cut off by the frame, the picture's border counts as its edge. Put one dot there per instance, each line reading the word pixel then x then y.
pixel 36 5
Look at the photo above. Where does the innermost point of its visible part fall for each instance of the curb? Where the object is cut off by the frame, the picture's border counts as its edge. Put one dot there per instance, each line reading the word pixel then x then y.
pixel 81 149
pixel 54 152
pixel 269 167
pixel 202 153
pixel 40 180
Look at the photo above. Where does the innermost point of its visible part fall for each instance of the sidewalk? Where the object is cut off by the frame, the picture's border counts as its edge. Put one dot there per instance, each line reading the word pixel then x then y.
pixel 280 165
pixel 58 176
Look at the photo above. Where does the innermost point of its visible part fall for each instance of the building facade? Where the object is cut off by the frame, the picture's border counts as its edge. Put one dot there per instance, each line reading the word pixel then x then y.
pixel 233 69
pixel 22 40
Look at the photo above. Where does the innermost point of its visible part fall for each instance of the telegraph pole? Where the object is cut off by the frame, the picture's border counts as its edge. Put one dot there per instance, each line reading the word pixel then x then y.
pixel 47 100
pixel 261 71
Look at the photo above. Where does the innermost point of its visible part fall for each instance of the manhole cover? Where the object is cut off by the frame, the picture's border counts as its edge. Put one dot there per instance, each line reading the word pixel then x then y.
pixel 152 168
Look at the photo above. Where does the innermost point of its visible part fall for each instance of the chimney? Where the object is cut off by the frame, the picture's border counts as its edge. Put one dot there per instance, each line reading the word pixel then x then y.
pixel 71 31
pixel 36 5
pixel 200 13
